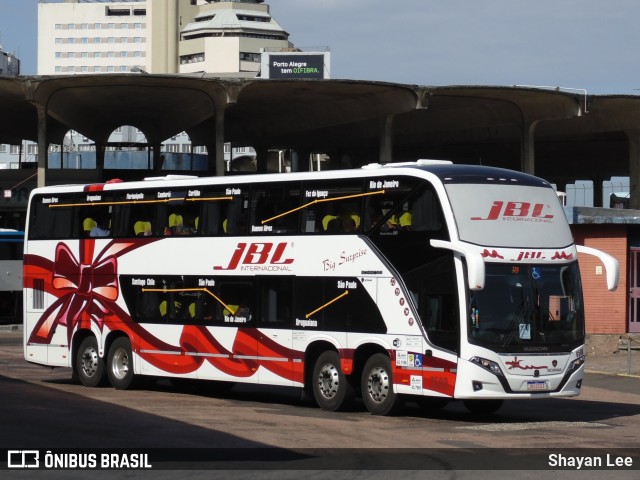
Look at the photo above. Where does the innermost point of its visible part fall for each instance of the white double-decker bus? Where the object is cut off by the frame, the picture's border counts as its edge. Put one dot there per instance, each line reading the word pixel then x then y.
pixel 428 279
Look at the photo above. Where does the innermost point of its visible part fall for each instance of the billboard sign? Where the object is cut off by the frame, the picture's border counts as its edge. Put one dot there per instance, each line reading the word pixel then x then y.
pixel 297 66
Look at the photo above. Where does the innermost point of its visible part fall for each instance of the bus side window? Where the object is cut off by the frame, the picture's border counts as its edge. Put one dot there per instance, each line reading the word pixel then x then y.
pixel 209 223
pixel 308 300
pixel 148 306
pixel 132 218
pixel 95 221
pixel 332 207
pixel 236 307
pixel 426 213
pixel 201 309
pixel 275 209
pixel 276 294
pixel 236 221
pixel 179 215
pixel 434 290
pixel 49 221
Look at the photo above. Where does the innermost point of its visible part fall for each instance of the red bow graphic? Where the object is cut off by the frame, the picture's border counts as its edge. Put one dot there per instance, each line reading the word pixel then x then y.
pixel 91 289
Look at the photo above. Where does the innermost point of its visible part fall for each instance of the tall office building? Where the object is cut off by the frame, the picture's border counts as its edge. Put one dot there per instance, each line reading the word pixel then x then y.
pixel 9 64
pixel 158 37
pixel 155 36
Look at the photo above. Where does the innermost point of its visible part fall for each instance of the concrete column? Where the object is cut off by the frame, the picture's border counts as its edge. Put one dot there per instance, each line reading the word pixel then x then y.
pixel 157 161
pixel 634 168
pixel 100 150
pixel 219 136
pixel 386 139
pixel 301 160
pixel 295 161
pixel 597 192
pixel 43 146
pixel 262 156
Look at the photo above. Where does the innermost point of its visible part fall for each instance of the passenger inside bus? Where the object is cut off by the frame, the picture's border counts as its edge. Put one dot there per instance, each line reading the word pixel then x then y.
pixel 175 223
pixel 345 223
pixel 87 225
pixel 142 228
pixel 101 228
pixel 402 221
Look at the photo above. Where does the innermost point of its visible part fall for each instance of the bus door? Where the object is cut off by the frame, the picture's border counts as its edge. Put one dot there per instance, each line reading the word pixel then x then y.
pixel 279 363
pixel 434 290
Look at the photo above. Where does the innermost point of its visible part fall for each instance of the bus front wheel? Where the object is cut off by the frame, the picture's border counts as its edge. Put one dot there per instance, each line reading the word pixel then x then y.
pixel 89 365
pixel 120 364
pixel 377 386
pixel 331 388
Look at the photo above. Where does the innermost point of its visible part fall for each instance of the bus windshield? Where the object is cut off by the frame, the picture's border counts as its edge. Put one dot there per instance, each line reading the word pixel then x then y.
pixel 509 215
pixel 528 308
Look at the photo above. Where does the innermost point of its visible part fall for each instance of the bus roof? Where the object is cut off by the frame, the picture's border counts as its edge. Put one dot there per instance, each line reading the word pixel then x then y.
pixel 445 170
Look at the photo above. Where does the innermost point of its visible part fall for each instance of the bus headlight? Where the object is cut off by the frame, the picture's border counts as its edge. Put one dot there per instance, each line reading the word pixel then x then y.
pixel 493 367
pixel 576 364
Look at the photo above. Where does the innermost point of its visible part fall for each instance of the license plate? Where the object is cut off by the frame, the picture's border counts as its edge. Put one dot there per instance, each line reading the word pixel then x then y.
pixel 536 386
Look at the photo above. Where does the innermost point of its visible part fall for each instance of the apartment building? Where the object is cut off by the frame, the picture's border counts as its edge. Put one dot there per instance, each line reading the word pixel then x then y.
pixel 155 36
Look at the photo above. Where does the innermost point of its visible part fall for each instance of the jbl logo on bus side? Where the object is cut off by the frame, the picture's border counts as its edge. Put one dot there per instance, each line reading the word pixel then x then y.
pixel 520 210
pixel 261 253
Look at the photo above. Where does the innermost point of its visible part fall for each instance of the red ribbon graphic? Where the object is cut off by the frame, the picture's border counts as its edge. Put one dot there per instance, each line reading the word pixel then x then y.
pixel 86 291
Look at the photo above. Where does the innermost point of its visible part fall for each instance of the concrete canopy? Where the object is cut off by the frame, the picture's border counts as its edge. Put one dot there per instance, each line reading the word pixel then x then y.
pixel 550 133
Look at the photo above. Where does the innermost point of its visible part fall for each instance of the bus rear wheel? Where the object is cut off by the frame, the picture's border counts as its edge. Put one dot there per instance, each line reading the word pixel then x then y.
pixel 377 386
pixel 331 389
pixel 89 364
pixel 120 364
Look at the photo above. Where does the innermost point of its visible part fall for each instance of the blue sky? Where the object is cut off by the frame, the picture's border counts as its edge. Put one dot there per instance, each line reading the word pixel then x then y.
pixel 582 44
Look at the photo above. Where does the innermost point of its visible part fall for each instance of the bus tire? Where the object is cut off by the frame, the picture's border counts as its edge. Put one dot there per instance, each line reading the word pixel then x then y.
pixel 331 389
pixel 89 364
pixel 120 364
pixel 483 407
pixel 377 386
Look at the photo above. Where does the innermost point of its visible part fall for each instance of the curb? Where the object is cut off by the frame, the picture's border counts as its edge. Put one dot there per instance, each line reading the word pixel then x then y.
pixel 601 372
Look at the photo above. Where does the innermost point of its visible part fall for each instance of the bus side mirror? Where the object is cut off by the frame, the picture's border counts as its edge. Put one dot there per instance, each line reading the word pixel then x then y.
pixel 475 263
pixel 610 264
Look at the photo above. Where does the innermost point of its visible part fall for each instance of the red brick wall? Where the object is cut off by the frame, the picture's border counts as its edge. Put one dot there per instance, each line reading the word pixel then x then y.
pixel 605 311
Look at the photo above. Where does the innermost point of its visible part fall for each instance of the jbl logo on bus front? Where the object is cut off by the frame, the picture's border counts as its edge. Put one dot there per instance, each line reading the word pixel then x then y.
pixel 260 253
pixel 520 210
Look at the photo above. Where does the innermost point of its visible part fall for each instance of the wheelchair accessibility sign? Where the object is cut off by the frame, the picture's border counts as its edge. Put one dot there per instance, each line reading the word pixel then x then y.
pixel 408 359
pixel 415 359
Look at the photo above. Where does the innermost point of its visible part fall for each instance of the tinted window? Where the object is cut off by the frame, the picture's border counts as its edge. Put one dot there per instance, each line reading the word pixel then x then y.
pixel 275 209
pixel 332 206
pixel 52 217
